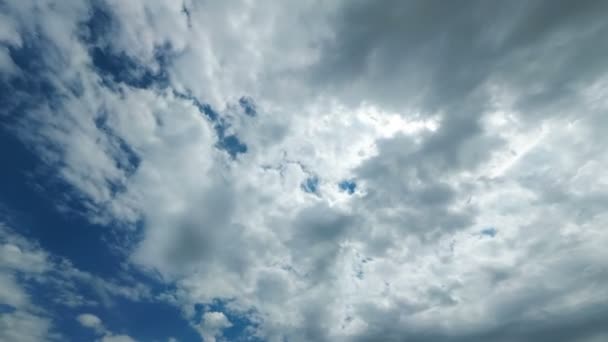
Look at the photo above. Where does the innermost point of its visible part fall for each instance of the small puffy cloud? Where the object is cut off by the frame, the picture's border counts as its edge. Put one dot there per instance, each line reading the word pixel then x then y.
pixel 18 254
pixel 91 321
pixel 212 324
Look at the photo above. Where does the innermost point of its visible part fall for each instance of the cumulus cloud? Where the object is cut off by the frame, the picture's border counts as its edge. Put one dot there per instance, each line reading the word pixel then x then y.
pixel 473 133
pixel 93 322
pixel 212 324
pixel 90 321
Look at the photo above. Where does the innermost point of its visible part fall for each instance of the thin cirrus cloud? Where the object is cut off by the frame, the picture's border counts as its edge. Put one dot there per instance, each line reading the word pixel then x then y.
pixel 303 171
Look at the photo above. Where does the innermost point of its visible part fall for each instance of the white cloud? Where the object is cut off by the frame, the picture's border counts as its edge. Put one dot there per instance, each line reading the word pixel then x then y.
pixel 24 321
pixel 31 260
pixel 93 322
pixel 212 324
pixel 10 292
pixel 24 326
pixel 117 338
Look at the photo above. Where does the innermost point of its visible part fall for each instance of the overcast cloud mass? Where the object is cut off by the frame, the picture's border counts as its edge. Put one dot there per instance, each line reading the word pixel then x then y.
pixel 348 170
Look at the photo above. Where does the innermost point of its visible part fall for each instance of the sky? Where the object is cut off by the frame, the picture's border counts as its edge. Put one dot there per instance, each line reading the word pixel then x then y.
pixel 293 171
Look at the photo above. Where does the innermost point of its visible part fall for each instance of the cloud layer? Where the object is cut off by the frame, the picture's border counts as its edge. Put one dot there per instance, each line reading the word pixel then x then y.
pixel 353 171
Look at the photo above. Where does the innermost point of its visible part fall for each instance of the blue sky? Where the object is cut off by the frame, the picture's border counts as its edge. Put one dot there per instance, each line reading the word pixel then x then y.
pixel 28 193
pixel 303 171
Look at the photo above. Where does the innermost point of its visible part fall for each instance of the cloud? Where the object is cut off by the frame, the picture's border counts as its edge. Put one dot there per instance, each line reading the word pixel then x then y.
pixel 25 257
pixel 22 320
pixel 24 326
pixel 212 324
pixel 117 338
pixel 91 321
pixel 95 323
pixel 439 54
pixel 218 138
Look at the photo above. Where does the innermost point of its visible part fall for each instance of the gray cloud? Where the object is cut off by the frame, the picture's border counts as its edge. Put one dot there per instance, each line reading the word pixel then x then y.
pixel 439 54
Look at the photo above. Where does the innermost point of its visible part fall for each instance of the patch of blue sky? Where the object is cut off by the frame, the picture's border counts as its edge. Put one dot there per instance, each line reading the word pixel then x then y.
pixel 33 196
pixel 117 66
pixel 30 196
pixel 127 159
pixel 6 308
pixel 122 69
pixel 349 186
pixel 310 184
pixel 248 105
pixel 242 324
pixel 490 232
pixel 230 143
pixel 30 87
pixel 203 108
